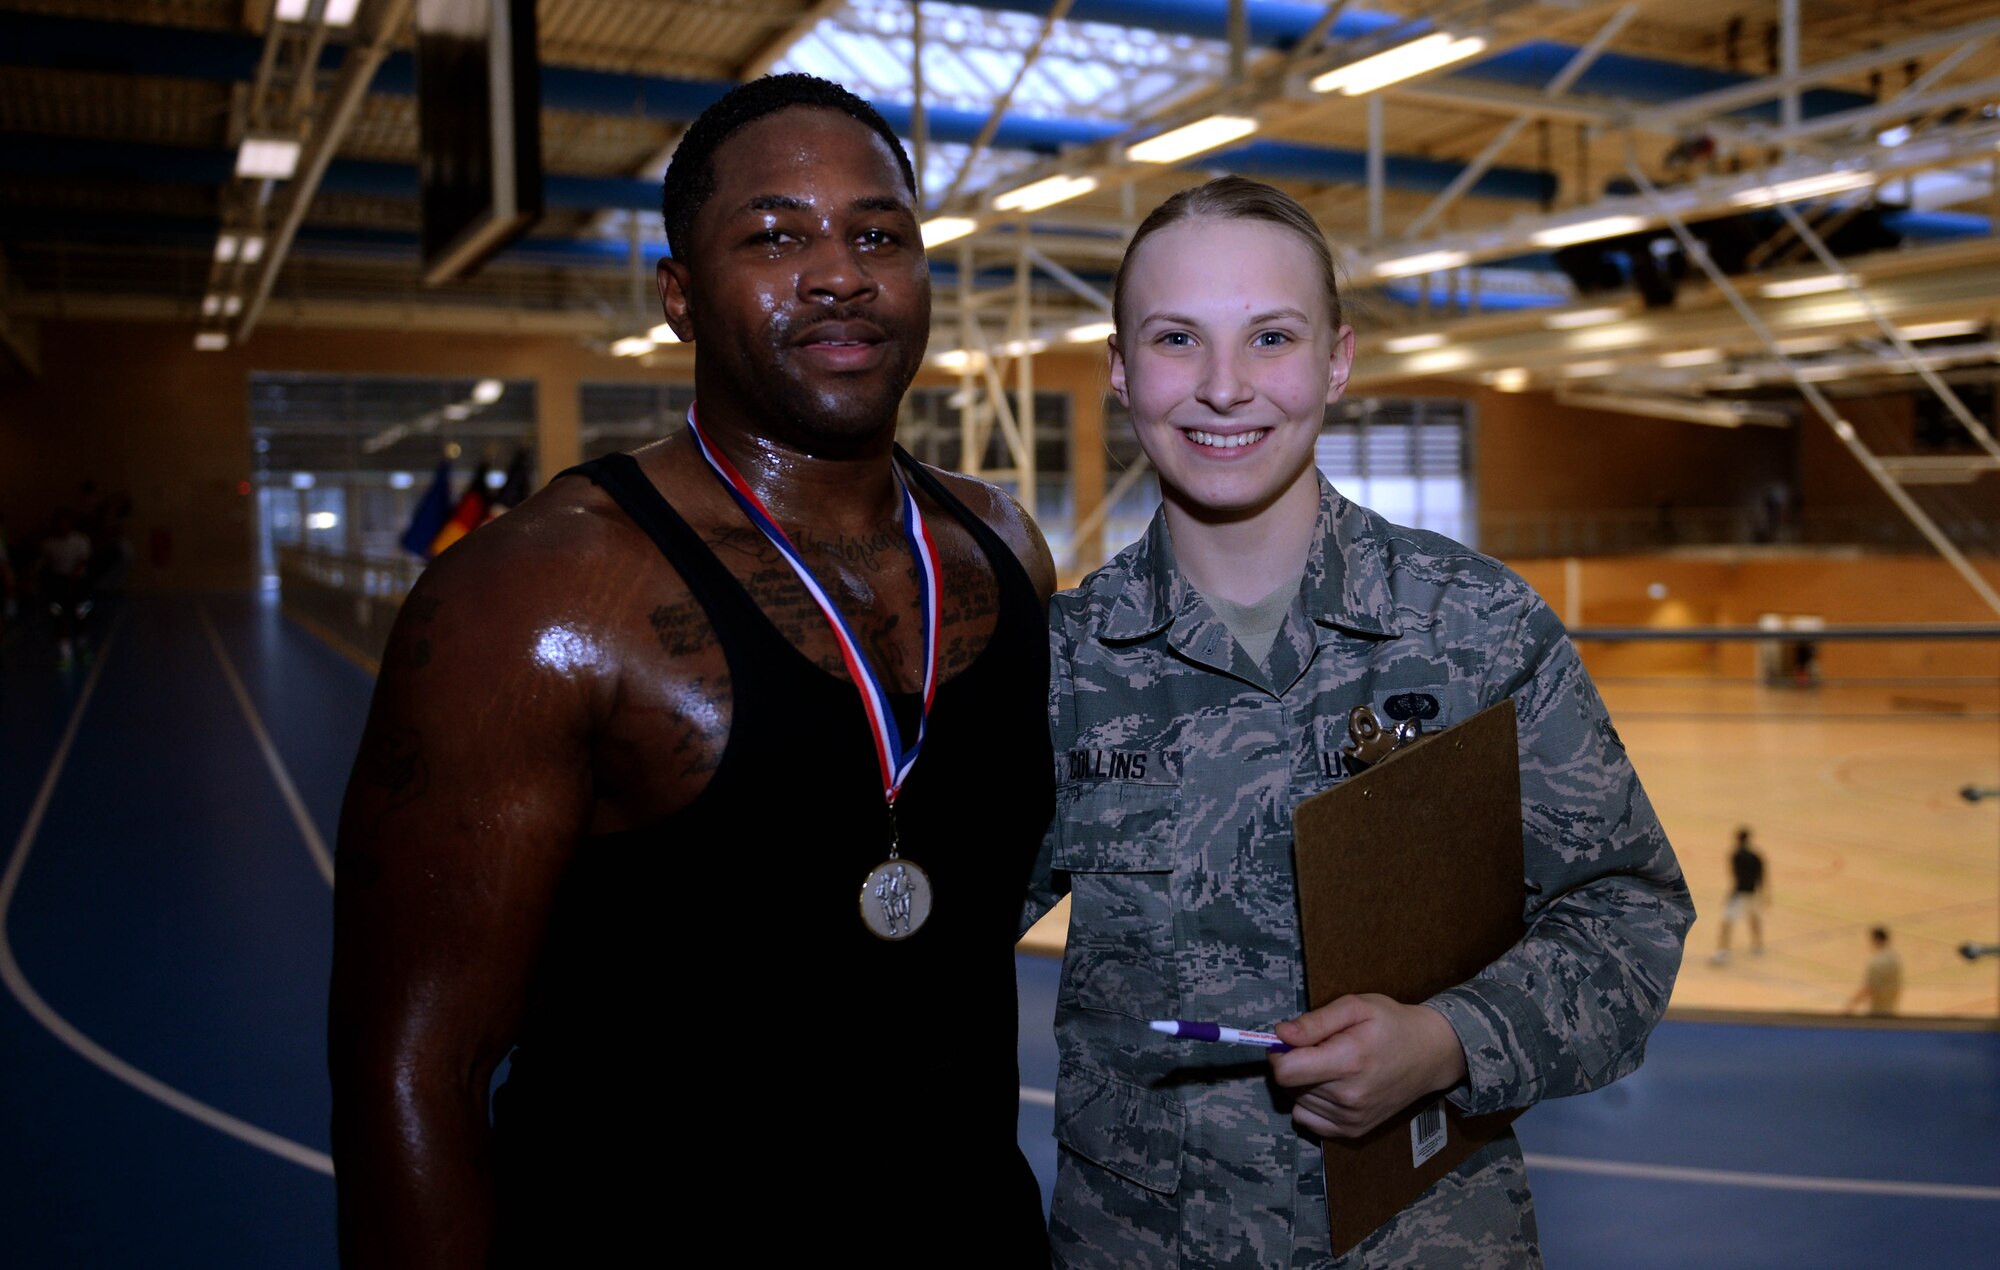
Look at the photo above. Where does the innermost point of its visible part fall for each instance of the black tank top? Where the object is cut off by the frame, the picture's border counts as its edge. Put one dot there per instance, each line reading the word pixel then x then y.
pixel 717 1054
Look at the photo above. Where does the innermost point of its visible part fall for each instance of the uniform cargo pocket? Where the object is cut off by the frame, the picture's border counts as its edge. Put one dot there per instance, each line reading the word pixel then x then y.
pixel 1117 828
pixel 1116 842
pixel 1118 1126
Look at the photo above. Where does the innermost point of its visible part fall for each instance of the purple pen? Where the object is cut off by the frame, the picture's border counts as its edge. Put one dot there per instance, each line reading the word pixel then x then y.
pixel 1216 1032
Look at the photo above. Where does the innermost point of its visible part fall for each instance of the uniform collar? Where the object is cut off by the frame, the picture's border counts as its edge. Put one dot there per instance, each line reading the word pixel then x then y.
pixel 1346 578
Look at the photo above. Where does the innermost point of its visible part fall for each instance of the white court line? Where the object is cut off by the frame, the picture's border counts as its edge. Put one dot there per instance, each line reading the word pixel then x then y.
pixel 1712 1177
pixel 1766 1181
pixel 61 1028
pixel 314 843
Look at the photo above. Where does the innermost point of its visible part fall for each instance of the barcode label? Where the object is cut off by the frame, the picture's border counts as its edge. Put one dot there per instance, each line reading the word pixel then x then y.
pixel 1426 1134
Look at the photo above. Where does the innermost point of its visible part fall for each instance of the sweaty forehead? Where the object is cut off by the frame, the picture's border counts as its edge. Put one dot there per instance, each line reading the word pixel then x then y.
pixel 803 153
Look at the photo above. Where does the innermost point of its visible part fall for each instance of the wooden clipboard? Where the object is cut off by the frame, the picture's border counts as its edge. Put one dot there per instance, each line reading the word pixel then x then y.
pixel 1410 881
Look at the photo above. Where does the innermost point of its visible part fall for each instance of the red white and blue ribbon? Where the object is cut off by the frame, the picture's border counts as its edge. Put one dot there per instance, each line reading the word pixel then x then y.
pixel 896 760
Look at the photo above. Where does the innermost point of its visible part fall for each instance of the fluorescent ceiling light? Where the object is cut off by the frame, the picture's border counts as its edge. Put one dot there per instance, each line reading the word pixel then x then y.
pixel 1427 53
pixel 1623 335
pixel 1581 317
pixel 1586 231
pixel 225 248
pixel 1091 332
pixel 272 158
pixel 322 520
pixel 402 480
pixel 1414 343
pixel 958 360
pixel 232 305
pixel 1893 137
pixel 293 10
pixel 1940 330
pixel 1192 139
pixel 1806 286
pixel 1512 379
pixel 303 480
pixel 341 12
pixel 1816 373
pixel 1438 361
pixel 1423 262
pixel 456 411
pixel 1588 370
pixel 1045 193
pixel 1691 357
pixel 663 334
pixel 488 391
pixel 210 342
pixel 631 346
pixel 1018 348
pixel 1810 344
pixel 1803 187
pixel 939 230
pixel 253 248
pixel 211 305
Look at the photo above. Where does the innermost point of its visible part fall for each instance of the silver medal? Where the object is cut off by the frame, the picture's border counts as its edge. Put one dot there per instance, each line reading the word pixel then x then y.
pixel 895 899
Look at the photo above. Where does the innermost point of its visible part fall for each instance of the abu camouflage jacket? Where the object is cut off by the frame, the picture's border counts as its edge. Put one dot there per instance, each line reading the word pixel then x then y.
pixel 1180 762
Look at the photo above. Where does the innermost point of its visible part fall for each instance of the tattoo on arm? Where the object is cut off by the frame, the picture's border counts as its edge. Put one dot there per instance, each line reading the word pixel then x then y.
pixel 418 613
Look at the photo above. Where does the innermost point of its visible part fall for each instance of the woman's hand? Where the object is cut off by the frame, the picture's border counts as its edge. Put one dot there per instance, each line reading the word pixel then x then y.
pixel 1360 1059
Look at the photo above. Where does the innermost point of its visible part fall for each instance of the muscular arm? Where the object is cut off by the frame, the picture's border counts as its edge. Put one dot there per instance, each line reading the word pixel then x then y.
pixel 471 787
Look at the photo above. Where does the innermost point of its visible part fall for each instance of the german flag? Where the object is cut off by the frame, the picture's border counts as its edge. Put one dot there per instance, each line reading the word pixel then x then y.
pixel 469 515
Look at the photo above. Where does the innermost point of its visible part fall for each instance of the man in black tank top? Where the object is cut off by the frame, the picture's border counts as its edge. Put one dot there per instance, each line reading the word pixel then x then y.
pixel 620 811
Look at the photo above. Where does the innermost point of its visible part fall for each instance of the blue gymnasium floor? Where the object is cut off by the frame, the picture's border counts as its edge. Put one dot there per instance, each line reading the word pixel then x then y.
pixel 165 908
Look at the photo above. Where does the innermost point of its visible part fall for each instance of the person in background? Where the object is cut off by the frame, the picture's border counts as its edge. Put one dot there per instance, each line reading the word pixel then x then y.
pixel 1200 689
pixel 1749 895
pixel 64 573
pixel 1882 982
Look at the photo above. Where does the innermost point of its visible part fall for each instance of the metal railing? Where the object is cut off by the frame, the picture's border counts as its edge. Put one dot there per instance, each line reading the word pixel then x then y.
pixel 1596 533
pixel 354 598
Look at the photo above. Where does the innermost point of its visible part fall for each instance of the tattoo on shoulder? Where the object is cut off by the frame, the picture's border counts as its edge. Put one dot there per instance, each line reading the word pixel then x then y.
pixel 682 629
pixel 418 613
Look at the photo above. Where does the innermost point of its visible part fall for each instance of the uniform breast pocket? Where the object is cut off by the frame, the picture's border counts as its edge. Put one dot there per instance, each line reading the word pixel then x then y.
pixel 1117 846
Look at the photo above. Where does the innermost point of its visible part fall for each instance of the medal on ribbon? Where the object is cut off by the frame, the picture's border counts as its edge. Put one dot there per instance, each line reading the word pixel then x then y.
pixel 895 894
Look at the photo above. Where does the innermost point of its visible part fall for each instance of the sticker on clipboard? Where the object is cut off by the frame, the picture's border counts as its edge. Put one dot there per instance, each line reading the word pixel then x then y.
pixel 1426 1134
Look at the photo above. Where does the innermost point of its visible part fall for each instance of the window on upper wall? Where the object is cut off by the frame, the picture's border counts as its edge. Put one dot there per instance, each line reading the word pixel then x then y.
pixel 340 462
pixel 1407 458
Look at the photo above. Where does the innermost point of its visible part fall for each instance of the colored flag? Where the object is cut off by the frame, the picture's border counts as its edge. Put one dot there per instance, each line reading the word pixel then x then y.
pixel 433 510
pixel 469 515
pixel 515 488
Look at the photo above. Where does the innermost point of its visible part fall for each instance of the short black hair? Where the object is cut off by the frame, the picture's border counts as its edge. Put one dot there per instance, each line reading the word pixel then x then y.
pixel 690 178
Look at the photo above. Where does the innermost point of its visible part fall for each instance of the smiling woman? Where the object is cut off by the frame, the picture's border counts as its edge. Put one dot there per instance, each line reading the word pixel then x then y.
pixel 1200 690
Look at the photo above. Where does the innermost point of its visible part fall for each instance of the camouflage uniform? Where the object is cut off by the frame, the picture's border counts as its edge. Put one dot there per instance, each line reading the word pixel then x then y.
pixel 1180 761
